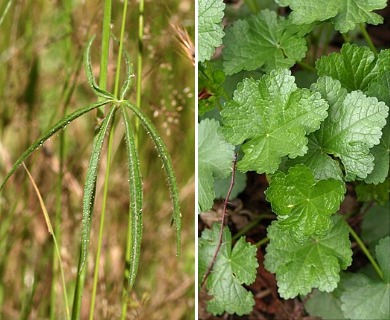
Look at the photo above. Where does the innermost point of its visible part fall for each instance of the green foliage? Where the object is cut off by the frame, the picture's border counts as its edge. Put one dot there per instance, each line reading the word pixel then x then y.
pixel 304 206
pixel 354 126
pixel 366 298
pixel 266 41
pixel 375 225
pixel 235 266
pixel 273 117
pixel 313 262
pixel 309 141
pixel 344 14
pixel 215 161
pixel 210 14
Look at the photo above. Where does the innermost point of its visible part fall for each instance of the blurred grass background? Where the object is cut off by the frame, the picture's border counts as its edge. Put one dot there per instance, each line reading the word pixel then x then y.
pixel 41 78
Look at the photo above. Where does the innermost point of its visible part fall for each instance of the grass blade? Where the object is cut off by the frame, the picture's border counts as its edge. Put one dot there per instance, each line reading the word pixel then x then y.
pixel 135 188
pixel 90 187
pixel 58 126
pixel 167 165
pixel 91 79
pixel 50 229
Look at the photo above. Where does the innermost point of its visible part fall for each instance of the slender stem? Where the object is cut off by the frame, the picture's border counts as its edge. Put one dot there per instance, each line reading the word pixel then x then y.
pixel 125 291
pixel 105 51
pixel 365 251
pixel 262 241
pixel 306 66
pixel 76 310
pixel 346 38
pixel 223 222
pixel 252 224
pixel 139 63
pixel 102 218
pixel 253 5
pixel 118 66
pixel 368 38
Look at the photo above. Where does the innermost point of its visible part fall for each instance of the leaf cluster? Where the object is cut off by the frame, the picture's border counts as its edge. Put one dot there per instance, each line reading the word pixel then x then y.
pixel 309 141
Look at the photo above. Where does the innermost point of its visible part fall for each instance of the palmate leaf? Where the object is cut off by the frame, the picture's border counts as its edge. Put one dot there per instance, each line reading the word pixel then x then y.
pixel 304 264
pixel 232 268
pixel 355 67
pixel 135 190
pixel 262 41
pixel 354 125
pixel 90 187
pixel 273 117
pixel 167 165
pixel 215 161
pixel 381 90
pixel 366 298
pixel 304 206
pixel 210 14
pixel 58 126
pixel 344 14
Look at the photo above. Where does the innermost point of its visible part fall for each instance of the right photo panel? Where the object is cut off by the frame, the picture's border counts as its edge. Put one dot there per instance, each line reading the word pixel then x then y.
pixel 293 159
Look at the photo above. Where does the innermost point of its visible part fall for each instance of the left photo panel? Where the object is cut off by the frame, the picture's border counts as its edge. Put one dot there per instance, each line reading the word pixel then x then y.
pixel 97 159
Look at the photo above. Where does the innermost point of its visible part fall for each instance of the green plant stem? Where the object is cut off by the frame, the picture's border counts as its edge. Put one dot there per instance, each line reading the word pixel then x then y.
pixel 7 7
pixel 261 242
pixel 125 290
pixel 104 51
pixel 253 5
pixel 118 66
pixel 252 224
pixel 139 64
pixel 368 38
pixel 102 218
pixel 79 289
pixel 306 66
pixel 365 251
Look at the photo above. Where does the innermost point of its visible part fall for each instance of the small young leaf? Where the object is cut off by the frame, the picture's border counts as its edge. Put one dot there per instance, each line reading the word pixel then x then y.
pixel 210 14
pixel 90 187
pixel 91 79
pixel 135 189
pixel 366 298
pixel 58 126
pixel 304 206
pixel 354 125
pixel 215 161
pixel 264 40
pixel 344 14
pixel 167 165
pixel 232 268
pixel 273 117
pixel 129 76
pixel 314 262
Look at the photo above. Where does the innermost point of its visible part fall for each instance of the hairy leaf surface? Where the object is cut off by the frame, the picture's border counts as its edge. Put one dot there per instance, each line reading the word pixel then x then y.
pixel 215 160
pixel 232 268
pixel 304 206
pixel 344 14
pixel 263 40
pixel 210 14
pixel 273 117
pixel 314 262
pixel 136 198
